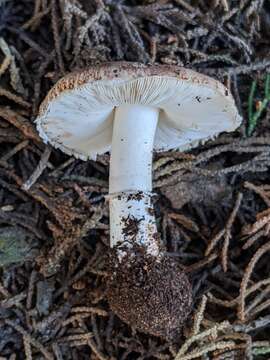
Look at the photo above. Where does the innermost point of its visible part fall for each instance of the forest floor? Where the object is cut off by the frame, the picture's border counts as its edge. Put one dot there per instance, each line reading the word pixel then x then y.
pixel 213 203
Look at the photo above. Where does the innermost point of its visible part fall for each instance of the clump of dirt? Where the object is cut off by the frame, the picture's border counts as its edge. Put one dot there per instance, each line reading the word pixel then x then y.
pixel 131 226
pixel 151 294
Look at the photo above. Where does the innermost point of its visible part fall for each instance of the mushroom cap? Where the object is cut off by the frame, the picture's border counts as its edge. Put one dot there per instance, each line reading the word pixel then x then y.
pixel 152 296
pixel 77 114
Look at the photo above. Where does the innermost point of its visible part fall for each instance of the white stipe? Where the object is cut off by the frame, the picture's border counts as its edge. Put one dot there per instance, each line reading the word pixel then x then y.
pixel 133 223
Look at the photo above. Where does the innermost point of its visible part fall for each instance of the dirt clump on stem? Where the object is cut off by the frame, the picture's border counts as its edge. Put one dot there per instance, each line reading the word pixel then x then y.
pixel 153 295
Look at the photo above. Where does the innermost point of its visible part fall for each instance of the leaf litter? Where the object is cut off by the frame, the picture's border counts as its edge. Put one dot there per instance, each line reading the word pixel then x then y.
pixel 213 207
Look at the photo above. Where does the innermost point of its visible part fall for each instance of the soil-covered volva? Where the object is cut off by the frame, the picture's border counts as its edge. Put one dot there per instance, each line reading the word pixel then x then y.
pixel 149 293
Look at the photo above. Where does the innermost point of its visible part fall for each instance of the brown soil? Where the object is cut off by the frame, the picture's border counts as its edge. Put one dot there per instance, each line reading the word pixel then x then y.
pixel 151 295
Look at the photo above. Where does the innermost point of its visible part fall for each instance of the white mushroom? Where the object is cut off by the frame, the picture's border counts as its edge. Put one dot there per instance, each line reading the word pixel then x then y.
pixel 130 110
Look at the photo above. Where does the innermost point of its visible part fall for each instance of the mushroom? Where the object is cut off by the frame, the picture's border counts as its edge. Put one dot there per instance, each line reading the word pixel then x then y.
pixel 132 109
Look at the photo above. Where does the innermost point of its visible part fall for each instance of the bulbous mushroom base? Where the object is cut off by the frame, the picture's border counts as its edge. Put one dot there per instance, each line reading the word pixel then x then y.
pixel 152 295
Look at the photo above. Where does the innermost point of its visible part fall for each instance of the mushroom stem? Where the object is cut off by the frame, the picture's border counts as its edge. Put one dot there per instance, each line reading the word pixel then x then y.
pixel 134 130
pixel 132 219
